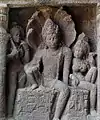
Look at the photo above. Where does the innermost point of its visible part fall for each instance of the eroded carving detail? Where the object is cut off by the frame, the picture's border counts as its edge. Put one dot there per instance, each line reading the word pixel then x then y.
pixel 70 88
pixel 84 69
pixel 18 55
pixel 49 63
pixel 4 37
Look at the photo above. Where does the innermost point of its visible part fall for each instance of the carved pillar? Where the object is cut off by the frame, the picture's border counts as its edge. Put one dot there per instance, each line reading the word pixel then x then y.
pixel 3 43
pixel 98 51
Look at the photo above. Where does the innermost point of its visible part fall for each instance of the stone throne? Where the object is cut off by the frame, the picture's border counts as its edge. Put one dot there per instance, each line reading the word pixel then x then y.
pixel 24 105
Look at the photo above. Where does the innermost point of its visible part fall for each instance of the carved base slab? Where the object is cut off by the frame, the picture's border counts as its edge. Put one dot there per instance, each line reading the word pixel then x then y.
pixel 89 117
pixel 33 104
pixel 77 105
pixel 68 117
pixel 92 118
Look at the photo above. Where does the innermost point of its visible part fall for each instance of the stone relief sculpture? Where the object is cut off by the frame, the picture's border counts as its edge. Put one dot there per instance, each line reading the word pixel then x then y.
pixel 84 69
pixel 17 56
pixel 82 82
pixel 51 67
pixel 50 62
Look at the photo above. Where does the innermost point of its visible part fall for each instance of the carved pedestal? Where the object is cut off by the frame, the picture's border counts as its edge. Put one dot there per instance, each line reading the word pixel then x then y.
pixel 33 104
pixel 78 105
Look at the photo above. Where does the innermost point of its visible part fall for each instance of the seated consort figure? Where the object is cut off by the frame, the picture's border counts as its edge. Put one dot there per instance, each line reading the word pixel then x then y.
pixel 84 70
pixel 53 63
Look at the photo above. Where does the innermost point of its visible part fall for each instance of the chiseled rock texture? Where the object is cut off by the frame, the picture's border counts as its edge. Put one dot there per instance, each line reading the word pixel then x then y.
pixel 77 106
pixel 33 104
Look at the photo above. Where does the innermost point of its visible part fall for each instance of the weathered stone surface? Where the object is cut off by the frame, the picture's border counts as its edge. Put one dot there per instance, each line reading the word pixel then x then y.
pixel 75 118
pixel 10 119
pixel 17 56
pixel 54 63
pixel 33 104
pixel 98 50
pixel 3 47
pixel 23 3
pixel 41 70
pixel 89 117
pixel 77 106
pixel 66 24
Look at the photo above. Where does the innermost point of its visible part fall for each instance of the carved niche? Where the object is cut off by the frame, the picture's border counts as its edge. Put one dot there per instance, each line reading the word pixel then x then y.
pixel 51 67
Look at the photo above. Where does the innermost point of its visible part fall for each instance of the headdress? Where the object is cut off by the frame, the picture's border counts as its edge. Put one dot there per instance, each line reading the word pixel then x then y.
pixel 49 28
pixel 15 27
pixel 82 43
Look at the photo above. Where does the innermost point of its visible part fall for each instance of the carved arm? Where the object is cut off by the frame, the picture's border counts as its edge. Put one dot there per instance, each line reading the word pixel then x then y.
pixel 24 53
pixel 67 63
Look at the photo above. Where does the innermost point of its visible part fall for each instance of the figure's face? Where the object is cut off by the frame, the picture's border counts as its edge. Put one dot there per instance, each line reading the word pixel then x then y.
pixel 16 36
pixel 51 39
pixel 78 53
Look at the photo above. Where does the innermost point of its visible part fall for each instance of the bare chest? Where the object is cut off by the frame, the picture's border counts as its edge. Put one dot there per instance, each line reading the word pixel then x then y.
pixel 50 64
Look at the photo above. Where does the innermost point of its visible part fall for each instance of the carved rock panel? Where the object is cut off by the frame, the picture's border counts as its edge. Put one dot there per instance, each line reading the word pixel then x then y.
pixel 52 63
pixel 33 104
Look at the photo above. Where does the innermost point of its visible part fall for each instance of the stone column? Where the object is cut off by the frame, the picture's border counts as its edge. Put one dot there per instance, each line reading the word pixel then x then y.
pixel 98 53
pixel 3 46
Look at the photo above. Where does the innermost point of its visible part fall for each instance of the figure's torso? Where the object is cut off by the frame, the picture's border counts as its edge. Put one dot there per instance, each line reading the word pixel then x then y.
pixel 80 68
pixel 51 64
pixel 80 65
pixel 15 64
